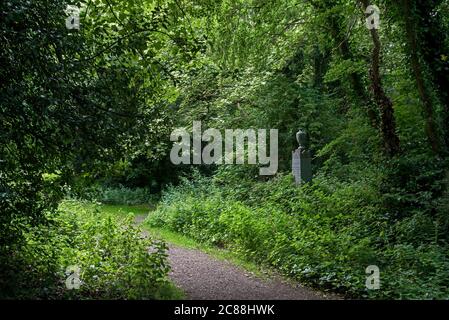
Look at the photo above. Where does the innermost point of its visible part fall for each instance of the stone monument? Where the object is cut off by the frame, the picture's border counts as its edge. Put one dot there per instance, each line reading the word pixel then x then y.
pixel 302 160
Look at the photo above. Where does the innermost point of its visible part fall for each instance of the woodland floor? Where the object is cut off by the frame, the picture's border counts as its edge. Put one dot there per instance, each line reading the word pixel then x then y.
pixel 204 277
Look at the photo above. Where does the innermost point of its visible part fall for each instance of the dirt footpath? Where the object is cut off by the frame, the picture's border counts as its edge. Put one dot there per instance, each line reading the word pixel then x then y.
pixel 204 277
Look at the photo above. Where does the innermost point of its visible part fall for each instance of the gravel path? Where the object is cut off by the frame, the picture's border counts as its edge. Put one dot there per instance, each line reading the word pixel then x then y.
pixel 203 277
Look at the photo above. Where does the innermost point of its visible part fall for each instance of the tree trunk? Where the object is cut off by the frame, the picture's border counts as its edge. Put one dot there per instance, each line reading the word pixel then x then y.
pixel 423 90
pixel 384 103
pixel 432 41
pixel 341 42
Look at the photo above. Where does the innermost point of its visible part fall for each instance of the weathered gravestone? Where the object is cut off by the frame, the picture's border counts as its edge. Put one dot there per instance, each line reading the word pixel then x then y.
pixel 302 160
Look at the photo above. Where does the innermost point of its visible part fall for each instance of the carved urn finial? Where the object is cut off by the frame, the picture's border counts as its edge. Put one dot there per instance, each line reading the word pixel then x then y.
pixel 301 137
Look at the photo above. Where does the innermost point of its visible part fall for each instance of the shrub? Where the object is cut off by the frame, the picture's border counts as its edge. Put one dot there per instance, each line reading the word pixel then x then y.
pixel 324 234
pixel 123 195
pixel 114 261
pixel 111 195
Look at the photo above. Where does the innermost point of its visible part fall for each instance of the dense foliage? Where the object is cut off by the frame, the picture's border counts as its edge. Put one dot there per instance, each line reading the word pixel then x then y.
pixel 112 259
pixel 375 110
pixel 324 234
pixel 88 112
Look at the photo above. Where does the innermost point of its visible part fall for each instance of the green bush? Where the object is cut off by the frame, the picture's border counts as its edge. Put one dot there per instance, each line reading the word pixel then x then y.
pixel 325 233
pixel 113 259
pixel 123 195
pixel 111 195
